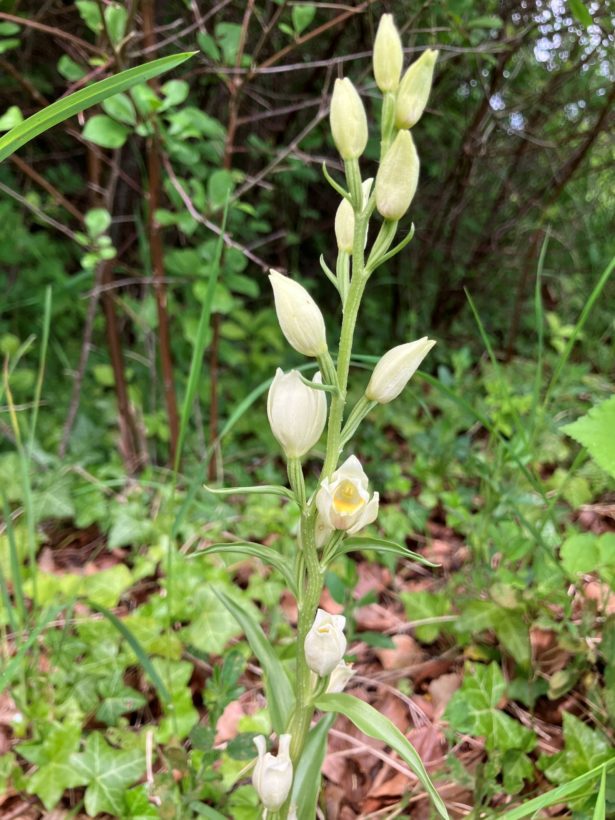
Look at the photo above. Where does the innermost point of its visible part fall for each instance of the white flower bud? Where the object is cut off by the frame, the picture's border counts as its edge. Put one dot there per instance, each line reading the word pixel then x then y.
pixel 395 369
pixel 325 643
pixel 348 120
pixel 322 532
pixel 299 316
pixel 414 90
pixel 273 776
pixel 297 413
pixel 397 177
pixel 344 219
pixel 340 676
pixel 388 55
pixel 343 501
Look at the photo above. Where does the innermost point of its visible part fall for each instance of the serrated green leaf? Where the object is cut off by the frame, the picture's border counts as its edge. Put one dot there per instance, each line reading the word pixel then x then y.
pixel 107 773
pixel 369 721
pixel 594 431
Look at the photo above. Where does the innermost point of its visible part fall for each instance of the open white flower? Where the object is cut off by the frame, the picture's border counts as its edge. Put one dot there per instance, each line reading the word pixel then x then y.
pixel 273 775
pixel 344 502
pixel 325 643
pixel 395 369
pixel 297 413
pixel 299 316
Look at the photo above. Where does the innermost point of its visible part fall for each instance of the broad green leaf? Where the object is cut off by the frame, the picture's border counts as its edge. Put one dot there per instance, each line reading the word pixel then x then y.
pixel 69 69
pixel 121 108
pixel 118 700
pixel 302 16
pixel 116 17
pixel 97 221
pixel 368 542
pixel 266 554
pixel 594 431
pixel 181 715
pixel 580 554
pixel 473 709
pixel 90 14
pixel 280 697
pixel 307 779
pixel 228 36
pixel 580 12
pixel 212 626
pixel 54 773
pixel 85 98
pixel 516 769
pixel 11 117
pixel 369 721
pixel 107 773
pixel 175 92
pixel 138 806
pixel 424 605
pixel 584 749
pixel 488 21
pixel 103 131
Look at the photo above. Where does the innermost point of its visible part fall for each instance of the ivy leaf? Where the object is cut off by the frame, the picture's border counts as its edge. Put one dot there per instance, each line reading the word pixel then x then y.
pixel 423 605
pixel 107 773
pixel 55 771
pixel 594 431
pixel 118 699
pixel 516 768
pixel 473 709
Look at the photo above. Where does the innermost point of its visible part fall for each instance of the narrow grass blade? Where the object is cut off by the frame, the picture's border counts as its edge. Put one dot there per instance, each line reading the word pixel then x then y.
pixel 136 647
pixel 11 614
pixel 307 780
pixel 369 721
pixel 557 795
pixel 14 562
pixel 15 663
pixel 266 554
pixel 540 334
pixel 587 309
pixel 41 367
pixel 600 810
pixel 67 107
pixel 280 698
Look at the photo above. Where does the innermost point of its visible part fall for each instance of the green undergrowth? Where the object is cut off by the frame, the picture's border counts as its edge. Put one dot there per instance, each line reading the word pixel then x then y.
pixel 116 649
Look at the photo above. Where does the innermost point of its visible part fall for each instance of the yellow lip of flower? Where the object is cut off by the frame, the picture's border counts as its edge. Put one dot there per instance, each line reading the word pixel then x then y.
pixel 347 498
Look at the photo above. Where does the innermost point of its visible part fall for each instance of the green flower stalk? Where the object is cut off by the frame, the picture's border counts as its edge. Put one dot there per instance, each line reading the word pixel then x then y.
pixel 339 505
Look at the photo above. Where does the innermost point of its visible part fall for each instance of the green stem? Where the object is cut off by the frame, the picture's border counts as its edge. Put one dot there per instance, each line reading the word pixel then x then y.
pixel 302 715
pixel 297 482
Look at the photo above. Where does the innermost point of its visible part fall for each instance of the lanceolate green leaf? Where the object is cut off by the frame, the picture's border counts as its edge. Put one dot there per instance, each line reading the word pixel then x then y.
pixel 306 783
pixel 279 692
pixel 266 554
pixel 67 107
pixel 366 542
pixel 557 795
pixel 369 721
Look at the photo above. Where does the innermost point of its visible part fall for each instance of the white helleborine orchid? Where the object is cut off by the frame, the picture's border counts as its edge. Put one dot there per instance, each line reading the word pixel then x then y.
pixel 414 90
pixel 299 316
pixel 395 369
pixel 273 776
pixel 344 220
pixel 325 643
pixel 343 501
pixel 388 55
pixel 348 120
pixel 340 676
pixel 397 178
pixel 297 413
